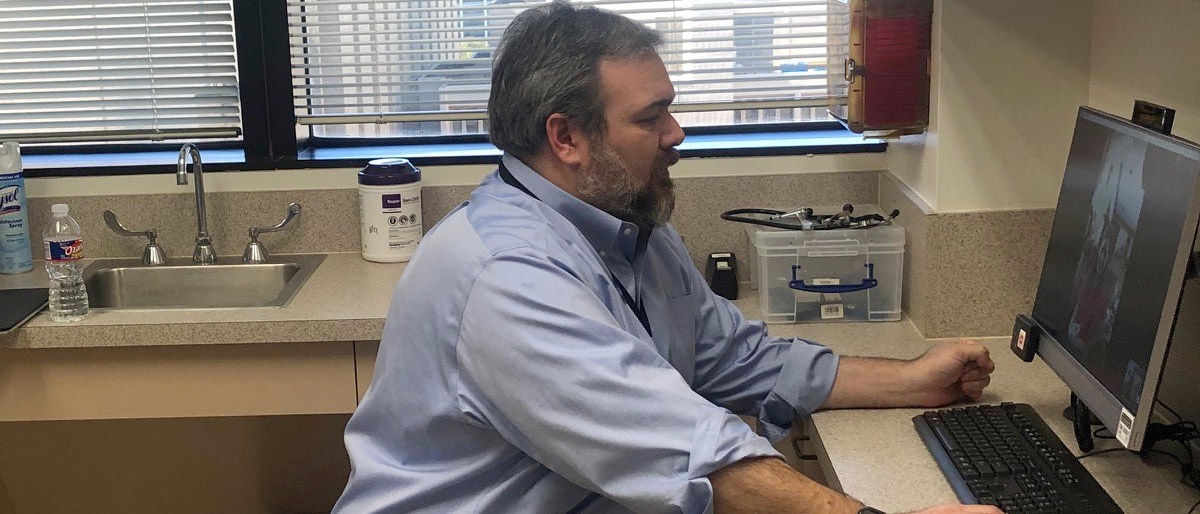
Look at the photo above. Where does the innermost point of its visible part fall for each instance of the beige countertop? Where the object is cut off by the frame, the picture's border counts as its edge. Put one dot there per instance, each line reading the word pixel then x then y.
pixel 877 457
pixel 345 299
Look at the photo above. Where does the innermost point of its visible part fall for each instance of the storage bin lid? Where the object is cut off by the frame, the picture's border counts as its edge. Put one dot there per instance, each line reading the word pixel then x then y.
pixel 765 238
pixel 389 172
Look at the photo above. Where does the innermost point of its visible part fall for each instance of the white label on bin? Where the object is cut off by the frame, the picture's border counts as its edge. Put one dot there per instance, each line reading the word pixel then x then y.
pixel 831 311
pixel 826 282
pixel 1124 427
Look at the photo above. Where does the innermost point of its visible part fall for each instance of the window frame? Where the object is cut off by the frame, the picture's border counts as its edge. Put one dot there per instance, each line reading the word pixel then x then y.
pixel 271 138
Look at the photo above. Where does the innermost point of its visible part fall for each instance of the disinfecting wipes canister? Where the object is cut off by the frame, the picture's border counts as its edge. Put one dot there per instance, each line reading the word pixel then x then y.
pixel 389 199
pixel 16 254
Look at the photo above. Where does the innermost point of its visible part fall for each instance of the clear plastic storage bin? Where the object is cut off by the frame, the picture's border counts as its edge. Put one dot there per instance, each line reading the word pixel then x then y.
pixel 827 275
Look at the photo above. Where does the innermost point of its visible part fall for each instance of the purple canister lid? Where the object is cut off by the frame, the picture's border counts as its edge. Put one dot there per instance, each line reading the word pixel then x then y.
pixel 389 172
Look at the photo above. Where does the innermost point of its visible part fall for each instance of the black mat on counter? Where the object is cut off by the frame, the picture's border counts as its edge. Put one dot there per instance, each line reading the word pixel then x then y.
pixel 18 305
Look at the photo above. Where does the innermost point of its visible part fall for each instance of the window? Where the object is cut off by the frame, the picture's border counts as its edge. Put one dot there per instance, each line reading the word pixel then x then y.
pixel 299 83
pixel 397 68
pixel 78 71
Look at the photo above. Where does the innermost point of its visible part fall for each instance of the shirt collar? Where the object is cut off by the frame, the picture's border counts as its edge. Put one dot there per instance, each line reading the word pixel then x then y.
pixel 605 232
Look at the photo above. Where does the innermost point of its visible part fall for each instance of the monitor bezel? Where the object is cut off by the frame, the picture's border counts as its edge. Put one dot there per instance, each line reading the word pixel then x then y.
pixel 1103 403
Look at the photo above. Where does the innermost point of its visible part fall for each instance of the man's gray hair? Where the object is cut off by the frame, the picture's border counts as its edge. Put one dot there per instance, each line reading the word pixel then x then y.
pixel 548 62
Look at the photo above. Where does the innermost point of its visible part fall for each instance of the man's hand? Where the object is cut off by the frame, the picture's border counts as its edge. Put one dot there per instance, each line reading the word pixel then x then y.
pixel 950 371
pixel 947 372
pixel 960 509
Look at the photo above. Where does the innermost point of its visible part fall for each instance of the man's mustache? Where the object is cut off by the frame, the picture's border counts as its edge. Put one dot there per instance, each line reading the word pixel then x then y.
pixel 670 156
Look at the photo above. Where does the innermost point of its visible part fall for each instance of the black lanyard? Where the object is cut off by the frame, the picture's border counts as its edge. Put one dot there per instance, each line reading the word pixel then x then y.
pixel 636 306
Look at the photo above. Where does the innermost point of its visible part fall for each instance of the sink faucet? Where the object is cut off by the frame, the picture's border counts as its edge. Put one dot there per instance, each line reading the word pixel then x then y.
pixel 204 252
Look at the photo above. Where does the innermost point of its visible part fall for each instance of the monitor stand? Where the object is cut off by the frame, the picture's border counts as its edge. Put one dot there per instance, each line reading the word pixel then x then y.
pixel 1081 419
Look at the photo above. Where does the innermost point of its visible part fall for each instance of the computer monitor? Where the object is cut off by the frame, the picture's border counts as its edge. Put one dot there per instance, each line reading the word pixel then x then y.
pixel 1119 248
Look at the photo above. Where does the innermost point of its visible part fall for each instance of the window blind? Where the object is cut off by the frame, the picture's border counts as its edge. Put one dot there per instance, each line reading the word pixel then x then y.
pixel 384 61
pixel 102 71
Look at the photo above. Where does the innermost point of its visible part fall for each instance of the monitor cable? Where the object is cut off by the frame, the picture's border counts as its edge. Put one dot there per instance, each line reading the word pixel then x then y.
pixel 1183 432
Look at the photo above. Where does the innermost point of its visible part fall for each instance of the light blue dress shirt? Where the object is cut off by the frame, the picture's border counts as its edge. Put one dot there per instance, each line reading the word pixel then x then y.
pixel 512 377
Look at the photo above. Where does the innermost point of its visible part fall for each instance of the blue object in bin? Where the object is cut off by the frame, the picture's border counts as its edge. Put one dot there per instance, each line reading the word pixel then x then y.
pixel 866 283
pixel 389 172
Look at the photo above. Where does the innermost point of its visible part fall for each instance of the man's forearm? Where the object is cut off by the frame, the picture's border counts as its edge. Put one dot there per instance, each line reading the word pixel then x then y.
pixel 945 373
pixel 769 485
pixel 867 382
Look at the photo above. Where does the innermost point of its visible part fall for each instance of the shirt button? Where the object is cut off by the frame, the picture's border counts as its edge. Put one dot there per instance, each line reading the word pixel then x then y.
pixel 627 231
pixel 603 254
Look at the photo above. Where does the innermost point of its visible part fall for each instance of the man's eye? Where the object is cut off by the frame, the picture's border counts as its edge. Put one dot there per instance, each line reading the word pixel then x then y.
pixel 649 120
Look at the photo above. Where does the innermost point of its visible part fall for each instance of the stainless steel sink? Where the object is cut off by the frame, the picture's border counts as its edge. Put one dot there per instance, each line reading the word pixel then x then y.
pixel 126 284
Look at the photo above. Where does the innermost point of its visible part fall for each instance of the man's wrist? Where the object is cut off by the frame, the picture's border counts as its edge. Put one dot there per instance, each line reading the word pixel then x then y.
pixel 903 386
pixel 909 380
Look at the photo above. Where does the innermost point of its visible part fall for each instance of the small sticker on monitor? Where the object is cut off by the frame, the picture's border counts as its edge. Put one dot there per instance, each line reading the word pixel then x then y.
pixel 1125 427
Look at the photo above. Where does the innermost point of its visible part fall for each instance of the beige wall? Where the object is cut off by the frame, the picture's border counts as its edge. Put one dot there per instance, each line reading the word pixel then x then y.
pixel 1008 78
pixel 1148 50
pixel 914 159
pixel 1013 75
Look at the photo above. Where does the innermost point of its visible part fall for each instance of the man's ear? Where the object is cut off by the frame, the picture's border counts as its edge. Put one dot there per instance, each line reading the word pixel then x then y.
pixel 567 142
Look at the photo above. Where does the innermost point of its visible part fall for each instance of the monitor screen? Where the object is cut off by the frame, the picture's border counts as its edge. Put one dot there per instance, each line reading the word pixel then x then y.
pixel 1120 223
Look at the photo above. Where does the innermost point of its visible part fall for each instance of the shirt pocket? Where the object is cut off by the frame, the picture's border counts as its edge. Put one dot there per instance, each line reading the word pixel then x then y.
pixel 681 317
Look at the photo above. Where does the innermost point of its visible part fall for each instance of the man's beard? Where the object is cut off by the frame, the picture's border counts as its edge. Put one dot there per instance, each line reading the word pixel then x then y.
pixel 607 184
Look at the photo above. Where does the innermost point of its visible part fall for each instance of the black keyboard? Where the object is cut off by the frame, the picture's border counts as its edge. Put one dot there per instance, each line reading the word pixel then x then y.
pixel 1005 455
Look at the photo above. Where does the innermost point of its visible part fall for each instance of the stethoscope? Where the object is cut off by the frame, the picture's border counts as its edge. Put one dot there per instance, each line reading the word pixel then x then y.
pixel 805 219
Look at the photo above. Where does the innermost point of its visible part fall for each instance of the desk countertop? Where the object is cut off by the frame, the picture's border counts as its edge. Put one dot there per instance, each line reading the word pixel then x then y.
pixel 876 456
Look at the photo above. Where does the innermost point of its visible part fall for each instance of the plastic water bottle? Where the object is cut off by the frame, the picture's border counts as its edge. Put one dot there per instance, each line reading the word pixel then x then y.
pixel 64 249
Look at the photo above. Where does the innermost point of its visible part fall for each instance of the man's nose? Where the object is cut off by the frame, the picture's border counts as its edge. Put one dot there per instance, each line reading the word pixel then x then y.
pixel 674 136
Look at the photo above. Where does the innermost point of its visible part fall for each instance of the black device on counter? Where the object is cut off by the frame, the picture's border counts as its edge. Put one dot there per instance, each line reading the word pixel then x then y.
pixel 19 305
pixel 1025 338
pixel 721 273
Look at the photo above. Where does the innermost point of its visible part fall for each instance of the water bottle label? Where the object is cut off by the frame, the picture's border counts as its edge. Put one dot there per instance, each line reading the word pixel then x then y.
pixel 70 250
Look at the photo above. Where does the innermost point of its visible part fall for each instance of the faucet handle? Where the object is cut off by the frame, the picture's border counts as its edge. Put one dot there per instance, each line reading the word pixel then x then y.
pixel 255 252
pixel 152 254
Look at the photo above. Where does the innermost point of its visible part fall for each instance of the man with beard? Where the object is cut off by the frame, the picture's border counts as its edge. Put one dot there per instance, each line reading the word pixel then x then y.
pixel 551 347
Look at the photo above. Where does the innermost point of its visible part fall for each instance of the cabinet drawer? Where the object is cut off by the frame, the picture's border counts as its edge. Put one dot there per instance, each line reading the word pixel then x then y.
pixel 177 381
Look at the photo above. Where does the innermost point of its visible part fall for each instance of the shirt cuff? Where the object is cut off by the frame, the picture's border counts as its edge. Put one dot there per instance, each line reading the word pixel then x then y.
pixel 803 385
pixel 720 439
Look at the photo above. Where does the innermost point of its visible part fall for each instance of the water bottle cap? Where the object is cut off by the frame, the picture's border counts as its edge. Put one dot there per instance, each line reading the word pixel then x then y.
pixel 59 208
